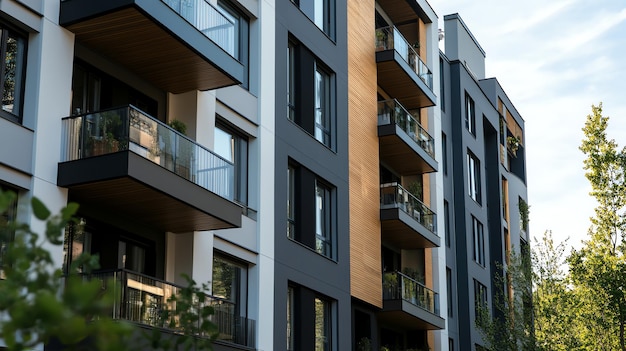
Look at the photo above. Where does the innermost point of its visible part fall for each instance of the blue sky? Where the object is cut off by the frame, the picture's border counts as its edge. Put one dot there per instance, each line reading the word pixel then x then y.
pixel 554 59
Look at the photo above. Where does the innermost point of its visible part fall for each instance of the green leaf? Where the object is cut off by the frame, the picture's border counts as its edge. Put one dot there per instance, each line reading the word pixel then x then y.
pixel 39 209
pixel 69 211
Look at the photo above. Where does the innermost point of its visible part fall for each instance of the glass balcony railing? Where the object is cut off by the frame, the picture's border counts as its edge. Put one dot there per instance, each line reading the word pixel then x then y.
pixel 393 195
pixel 128 128
pixel 392 112
pixel 141 299
pixel 214 24
pixel 388 38
pixel 400 286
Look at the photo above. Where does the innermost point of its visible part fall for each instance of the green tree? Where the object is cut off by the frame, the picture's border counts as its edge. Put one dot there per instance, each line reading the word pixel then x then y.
pixel 598 270
pixel 556 306
pixel 43 305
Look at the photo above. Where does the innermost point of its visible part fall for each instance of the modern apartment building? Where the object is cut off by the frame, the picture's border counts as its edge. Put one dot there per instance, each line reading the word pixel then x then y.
pixel 397 258
pixel 94 97
pixel 484 185
pixel 335 184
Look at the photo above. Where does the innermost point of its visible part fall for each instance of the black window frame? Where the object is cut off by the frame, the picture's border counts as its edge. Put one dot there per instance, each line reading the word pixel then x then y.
pixel 470 114
pixel 302 313
pixel 481 298
pixel 329 15
pixel 7 31
pixel 240 158
pixel 478 240
pixel 302 212
pixel 243 37
pixel 474 181
pixel 302 70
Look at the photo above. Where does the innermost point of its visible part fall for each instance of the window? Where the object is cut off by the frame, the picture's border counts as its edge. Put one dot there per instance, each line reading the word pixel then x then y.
pixel 314 315
pixel 479 241
pixel 446 218
pixel 322 218
pixel 13 66
pixel 233 147
pixel 450 344
pixel 234 36
pixel 442 96
pixel 310 210
pixel 449 292
pixel 321 12
pixel 470 114
pixel 444 151
pixel 229 284
pixel 6 236
pixel 312 112
pixel 473 177
pixel 480 299
pixel 322 106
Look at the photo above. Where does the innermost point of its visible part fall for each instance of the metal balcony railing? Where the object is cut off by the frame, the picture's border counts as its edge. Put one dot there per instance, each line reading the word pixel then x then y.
pixel 392 112
pixel 388 38
pixel 208 20
pixel 393 195
pixel 400 286
pixel 141 299
pixel 128 128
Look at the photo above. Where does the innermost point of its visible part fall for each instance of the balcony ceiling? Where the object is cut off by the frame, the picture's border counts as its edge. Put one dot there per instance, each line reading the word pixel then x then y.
pixel 400 153
pixel 403 231
pixel 403 11
pixel 404 315
pixel 152 41
pixel 397 78
pixel 126 185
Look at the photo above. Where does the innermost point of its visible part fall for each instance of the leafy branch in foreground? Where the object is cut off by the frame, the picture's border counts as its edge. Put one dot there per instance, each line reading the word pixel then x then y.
pixel 40 305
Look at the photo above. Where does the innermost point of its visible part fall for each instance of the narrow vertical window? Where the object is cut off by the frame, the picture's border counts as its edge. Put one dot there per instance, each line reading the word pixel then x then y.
pixel 480 299
pixel 322 219
pixel 446 218
pixel 322 324
pixel 449 292
pixel 479 241
pixel 233 147
pixel 444 151
pixel 13 60
pixel 442 96
pixel 291 76
pixel 473 177
pixel 470 114
pixel 290 319
pixel 291 221
pixel 322 106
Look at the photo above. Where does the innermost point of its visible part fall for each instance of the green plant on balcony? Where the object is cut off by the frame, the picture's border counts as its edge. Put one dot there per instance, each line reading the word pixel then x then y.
pixel 513 144
pixel 381 39
pixel 524 210
pixel 365 344
pixel 178 126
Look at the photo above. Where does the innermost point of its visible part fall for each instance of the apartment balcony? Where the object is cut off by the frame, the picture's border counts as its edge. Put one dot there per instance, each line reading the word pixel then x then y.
pixel 407 222
pixel 404 144
pixel 124 162
pixel 408 302
pixel 141 299
pixel 177 45
pixel 401 72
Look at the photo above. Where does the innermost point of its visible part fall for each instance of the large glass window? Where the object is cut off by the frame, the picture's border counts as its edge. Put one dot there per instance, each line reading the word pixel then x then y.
pixel 309 319
pixel 473 177
pixel 480 298
pixel 233 146
pixel 310 210
pixel 479 241
pixel 310 93
pixel 13 61
pixel 321 12
pixel 234 37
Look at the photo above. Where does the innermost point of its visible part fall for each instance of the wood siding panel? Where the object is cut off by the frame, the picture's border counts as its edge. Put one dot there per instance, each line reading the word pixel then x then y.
pixel 365 243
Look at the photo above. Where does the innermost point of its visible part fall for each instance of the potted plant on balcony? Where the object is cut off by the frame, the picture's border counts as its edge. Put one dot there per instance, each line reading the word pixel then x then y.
pixel 380 39
pixel 106 137
pixel 513 143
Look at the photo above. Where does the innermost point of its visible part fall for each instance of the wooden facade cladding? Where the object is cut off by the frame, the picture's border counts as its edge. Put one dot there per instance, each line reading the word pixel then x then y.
pixel 365 226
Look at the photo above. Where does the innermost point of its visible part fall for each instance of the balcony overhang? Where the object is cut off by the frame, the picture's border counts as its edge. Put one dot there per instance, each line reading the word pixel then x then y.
pixel 400 152
pixel 400 81
pixel 404 314
pixel 126 184
pixel 403 11
pixel 150 39
pixel 403 231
